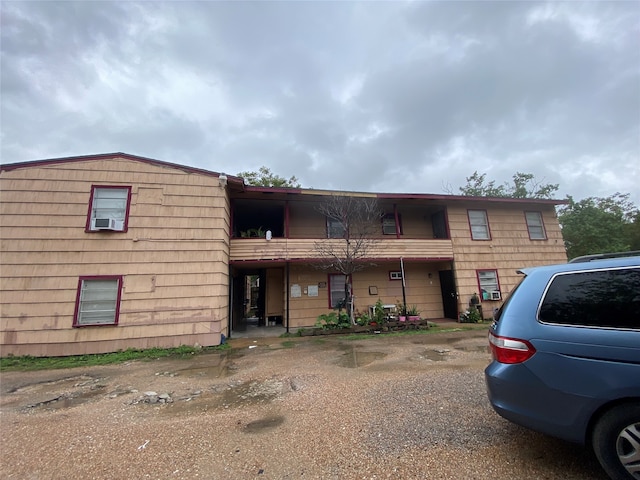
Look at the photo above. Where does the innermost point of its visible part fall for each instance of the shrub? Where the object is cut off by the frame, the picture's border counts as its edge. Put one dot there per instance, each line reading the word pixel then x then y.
pixel 333 321
pixel 472 315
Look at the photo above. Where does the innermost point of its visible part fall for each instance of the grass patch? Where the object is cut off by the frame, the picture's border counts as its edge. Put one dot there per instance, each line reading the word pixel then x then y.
pixel 28 363
pixel 430 331
pixel 288 344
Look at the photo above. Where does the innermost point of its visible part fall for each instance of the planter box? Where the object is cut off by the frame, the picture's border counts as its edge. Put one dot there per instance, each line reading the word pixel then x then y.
pixel 417 324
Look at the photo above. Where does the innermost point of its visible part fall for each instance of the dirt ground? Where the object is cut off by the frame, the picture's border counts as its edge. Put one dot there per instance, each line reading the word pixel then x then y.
pixel 315 407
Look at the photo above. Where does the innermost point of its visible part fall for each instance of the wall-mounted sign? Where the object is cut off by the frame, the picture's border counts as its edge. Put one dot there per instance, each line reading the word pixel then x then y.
pixel 296 291
pixel 312 290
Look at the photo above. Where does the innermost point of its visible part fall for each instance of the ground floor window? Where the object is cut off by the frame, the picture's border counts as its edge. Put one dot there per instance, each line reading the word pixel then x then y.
pixel 98 301
pixel 336 290
pixel 488 284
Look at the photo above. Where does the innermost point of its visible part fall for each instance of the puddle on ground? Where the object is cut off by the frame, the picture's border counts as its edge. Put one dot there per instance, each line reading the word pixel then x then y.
pixel 222 367
pixel 69 400
pixel 264 424
pixel 63 383
pixel 475 348
pixel 439 355
pixel 353 358
pixel 247 393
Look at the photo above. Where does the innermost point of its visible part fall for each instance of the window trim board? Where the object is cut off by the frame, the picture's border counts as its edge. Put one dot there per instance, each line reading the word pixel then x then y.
pixel 119 279
pixel 125 227
pixel 499 289
pixel 544 230
pixel 486 217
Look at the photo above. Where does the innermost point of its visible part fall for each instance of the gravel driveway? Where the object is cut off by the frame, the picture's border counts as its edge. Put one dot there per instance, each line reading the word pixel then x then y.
pixel 384 407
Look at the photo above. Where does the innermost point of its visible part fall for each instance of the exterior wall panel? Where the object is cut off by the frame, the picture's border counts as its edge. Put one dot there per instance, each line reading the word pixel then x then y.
pixel 509 249
pixel 174 257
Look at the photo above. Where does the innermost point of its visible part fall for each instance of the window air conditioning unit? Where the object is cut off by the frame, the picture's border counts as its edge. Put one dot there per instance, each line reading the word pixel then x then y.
pixel 495 295
pixel 107 224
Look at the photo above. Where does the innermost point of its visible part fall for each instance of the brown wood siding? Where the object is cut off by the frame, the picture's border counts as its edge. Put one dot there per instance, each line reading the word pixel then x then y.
pixel 508 250
pixel 291 249
pixel 422 291
pixel 174 258
pixel 305 221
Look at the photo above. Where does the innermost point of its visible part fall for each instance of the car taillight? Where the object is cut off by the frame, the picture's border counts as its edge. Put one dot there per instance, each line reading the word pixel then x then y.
pixel 510 350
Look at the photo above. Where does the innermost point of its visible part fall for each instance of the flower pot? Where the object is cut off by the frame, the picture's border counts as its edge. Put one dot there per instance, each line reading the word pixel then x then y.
pixel 402 318
pixel 414 318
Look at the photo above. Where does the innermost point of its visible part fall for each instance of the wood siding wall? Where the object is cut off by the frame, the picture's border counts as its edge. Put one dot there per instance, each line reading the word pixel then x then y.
pixel 295 249
pixel 174 258
pixel 422 291
pixel 306 222
pixel 509 249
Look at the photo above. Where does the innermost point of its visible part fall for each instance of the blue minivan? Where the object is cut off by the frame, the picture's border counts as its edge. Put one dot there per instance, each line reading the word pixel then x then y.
pixel 566 357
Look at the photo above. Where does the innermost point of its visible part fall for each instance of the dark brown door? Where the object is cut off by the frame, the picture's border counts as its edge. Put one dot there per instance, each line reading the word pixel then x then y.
pixel 449 295
pixel 238 320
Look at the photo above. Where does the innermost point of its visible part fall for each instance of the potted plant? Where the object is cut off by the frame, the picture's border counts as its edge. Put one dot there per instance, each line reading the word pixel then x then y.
pixel 379 315
pixel 413 313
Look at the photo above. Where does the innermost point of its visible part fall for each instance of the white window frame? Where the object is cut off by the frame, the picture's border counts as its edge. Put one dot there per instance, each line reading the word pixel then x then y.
pixel 98 301
pixel 488 282
pixel 535 225
pixel 479 224
pixel 109 203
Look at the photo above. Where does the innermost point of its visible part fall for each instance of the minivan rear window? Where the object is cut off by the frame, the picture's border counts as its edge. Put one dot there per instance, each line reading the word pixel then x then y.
pixel 600 298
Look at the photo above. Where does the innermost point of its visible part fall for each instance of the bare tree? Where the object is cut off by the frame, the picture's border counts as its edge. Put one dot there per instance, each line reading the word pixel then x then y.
pixel 352 223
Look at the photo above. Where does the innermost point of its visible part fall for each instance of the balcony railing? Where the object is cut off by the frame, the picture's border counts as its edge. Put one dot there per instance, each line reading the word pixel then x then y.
pixel 251 249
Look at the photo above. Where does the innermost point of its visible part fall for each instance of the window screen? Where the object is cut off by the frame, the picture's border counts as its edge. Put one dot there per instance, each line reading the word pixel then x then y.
pixel 110 203
pixel 98 301
pixel 488 281
pixel 337 295
pixel 535 226
pixel 479 225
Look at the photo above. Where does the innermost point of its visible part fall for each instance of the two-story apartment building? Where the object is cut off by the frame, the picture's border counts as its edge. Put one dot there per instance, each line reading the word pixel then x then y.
pixel 107 252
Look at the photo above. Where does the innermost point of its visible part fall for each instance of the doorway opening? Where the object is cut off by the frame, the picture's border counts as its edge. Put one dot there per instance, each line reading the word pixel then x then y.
pixel 257 301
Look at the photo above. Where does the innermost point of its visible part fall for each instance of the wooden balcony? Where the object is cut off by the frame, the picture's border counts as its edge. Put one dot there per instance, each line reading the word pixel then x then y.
pixel 257 249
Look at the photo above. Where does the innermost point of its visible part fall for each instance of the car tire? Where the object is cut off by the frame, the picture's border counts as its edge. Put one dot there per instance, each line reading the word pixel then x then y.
pixel 616 442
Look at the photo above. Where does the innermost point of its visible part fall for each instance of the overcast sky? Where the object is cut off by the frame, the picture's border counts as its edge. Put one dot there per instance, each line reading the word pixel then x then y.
pixel 372 96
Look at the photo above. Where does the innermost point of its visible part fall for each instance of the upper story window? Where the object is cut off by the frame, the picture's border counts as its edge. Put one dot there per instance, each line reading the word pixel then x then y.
pixel 389 224
pixel 108 208
pixel 98 301
pixel 535 226
pixel 335 228
pixel 489 285
pixel 479 224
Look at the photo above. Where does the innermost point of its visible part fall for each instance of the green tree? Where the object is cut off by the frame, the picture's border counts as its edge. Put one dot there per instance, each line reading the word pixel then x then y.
pixel 600 225
pixel 633 230
pixel 265 178
pixel 524 186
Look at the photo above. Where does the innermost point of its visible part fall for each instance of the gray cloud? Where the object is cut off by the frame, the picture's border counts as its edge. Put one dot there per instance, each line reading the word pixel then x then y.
pixel 388 96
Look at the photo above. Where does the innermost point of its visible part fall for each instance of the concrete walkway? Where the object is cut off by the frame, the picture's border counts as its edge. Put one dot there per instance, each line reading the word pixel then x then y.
pixel 253 331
